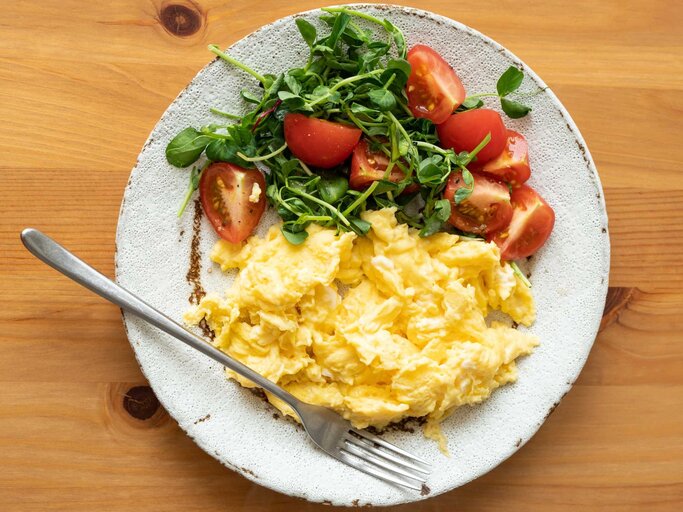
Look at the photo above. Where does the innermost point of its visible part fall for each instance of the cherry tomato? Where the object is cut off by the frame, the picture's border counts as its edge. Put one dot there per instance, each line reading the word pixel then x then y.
pixel 434 90
pixel 318 142
pixel 464 132
pixel 512 165
pixel 486 210
pixel 233 199
pixel 532 221
pixel 368 166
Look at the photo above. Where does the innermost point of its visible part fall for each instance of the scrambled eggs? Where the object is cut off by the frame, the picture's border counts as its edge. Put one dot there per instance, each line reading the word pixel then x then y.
pixel 378 328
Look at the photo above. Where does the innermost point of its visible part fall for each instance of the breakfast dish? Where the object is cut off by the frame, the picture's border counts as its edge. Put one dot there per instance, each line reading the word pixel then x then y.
pixel 169 258
pixel 401 189
pixel 407 338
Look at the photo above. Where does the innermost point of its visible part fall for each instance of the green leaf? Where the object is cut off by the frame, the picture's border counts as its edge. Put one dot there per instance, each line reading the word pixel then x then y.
pixel 195 175
pixel 323 91
pixel 442 209
pixel 249 96
pixel 293 84
pixel 509 81
pixel 470 104
pixel 186 147
pixel 401 65
pixel 429 172
pixel 400 68
pixel 225 150
pixel 440 213
pixel 514 109
pixel 359 226
pixel 339 26
pixel 293 101
pixel 333 189
pixel 383 99
pixel 462 194
pixel 294 238
pixel 359 109
pixel 398 38
pixel 467 178
pixel 384 186
pixel 307 31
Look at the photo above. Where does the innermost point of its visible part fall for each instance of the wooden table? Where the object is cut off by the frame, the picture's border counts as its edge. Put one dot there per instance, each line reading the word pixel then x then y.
pixel 83 83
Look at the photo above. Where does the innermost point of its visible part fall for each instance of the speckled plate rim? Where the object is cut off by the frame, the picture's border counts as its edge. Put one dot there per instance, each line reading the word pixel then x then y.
pixel 595 180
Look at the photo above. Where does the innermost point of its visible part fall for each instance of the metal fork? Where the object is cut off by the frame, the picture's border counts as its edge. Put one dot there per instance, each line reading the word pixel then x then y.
pixel 328 430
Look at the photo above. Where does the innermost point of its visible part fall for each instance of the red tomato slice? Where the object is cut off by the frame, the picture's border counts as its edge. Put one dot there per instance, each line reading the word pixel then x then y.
pixel 512 165
pixel 487 209
pixel 318 142
pixel 464 132
pixel 434 90
pixel 368 166
pixel 532 221
pixel 231 200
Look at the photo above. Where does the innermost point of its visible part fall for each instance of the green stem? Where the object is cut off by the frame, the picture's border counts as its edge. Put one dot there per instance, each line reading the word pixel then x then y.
pixel 361 198
pixel 431 147
pixel 263 157
pixel 482 95
pixel 519 274
pixel 314 218
pixel 476 150
pixel 305 168
pixel 357 14
pixel 344 82
pixel 224 114
pixel 327 205
pixel 391 79
pixel 216 50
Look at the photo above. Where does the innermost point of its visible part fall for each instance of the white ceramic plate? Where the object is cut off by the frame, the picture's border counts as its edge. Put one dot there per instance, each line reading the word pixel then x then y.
pixel 569 278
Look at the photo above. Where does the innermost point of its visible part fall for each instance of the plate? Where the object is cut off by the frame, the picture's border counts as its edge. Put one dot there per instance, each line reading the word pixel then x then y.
pixel 165 260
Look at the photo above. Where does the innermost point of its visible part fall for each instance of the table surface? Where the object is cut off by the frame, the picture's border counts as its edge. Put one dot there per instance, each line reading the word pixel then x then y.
pixel 83 83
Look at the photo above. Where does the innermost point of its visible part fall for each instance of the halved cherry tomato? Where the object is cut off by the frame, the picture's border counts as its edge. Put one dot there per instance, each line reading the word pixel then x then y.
pixel 434 90
pixel 486 210
pixel 233 199
pixel 464 132
pixel 318 142
pixel 512 165
pixel 532 221
pixel 368 166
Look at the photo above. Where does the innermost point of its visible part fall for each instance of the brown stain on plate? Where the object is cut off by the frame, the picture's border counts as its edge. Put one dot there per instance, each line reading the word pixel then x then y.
pixel 193 275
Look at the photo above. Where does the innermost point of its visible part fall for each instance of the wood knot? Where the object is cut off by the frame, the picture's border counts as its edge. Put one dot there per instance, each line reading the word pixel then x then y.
pixel 617 300
pixel 181 19
pixel 140 402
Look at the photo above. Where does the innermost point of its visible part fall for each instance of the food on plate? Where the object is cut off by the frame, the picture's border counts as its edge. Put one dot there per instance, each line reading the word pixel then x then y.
pixel 369 165
pixel 530 226
pixel 233 199
pixel 319 142
pixel 366 123
pixel 434 90
pixel 464 131
pixel 512 165
pixel 486 209
pixel 403 205
pixel 378 327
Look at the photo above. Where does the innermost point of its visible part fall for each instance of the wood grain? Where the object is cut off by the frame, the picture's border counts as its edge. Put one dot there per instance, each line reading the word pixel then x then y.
pixel 82 84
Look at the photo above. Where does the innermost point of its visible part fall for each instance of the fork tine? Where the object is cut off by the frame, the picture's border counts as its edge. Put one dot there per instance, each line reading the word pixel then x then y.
pixel 378 440
pixel 361 465
pixel 369 446
pixel 369 457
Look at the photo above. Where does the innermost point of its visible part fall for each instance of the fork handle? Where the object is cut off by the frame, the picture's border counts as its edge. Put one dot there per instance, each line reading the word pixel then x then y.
pixel 46 249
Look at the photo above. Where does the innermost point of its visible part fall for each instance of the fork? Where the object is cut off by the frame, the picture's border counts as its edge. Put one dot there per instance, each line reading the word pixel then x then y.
pixel 327 429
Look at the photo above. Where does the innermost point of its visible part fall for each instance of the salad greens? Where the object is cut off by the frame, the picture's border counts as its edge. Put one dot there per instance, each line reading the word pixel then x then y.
pixel 351 77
